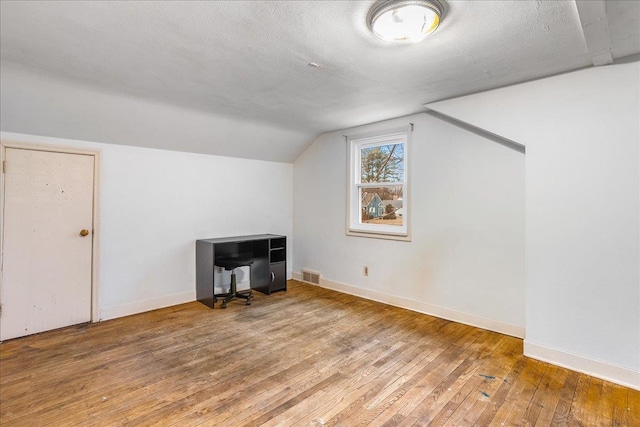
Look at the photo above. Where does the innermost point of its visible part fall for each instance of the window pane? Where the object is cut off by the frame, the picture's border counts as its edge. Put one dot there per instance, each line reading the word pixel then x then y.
pixel 382 205
pixel 384 163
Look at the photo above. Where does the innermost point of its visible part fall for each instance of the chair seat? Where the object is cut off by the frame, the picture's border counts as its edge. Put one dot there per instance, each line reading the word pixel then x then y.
pixel 231 263
pixel 234 262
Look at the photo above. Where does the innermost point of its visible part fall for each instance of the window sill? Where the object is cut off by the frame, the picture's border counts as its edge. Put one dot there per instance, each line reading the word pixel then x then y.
pixel 380 235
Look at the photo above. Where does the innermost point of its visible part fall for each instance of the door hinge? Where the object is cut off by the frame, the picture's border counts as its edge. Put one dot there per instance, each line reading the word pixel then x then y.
pixel 0 310
pixel 4 166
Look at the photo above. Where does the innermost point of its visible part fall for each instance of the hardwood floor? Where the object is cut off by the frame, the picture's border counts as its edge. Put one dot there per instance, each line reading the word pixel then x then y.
pixel 307 357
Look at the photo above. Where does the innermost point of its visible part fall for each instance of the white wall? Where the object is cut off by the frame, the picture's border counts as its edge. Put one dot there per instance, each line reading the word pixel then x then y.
pixel 154 204
pixel 466 258
pixel 582 133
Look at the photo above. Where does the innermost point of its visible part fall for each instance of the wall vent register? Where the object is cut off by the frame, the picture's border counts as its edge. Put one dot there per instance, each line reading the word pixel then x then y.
pixel 311 277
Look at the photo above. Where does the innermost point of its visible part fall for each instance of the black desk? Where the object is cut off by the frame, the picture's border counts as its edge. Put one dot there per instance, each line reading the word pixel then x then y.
pixel 268 271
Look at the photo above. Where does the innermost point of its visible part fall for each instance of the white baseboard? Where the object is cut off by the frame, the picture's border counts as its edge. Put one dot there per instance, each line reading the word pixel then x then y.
pixel 575 362
pixel 422 307
pixel 146 305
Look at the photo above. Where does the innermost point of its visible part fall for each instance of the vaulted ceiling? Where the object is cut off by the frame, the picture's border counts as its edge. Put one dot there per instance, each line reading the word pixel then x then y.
pixel 302 67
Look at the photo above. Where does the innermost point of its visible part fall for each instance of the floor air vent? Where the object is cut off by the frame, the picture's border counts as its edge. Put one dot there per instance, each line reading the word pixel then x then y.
pixel 310 276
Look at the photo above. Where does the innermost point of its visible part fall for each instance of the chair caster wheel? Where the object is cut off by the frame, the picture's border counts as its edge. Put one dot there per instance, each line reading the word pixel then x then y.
pixel 223 306
pixel 248 302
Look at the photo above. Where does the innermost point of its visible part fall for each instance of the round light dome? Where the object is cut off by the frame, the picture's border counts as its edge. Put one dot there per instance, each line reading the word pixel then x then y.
pixel 404 21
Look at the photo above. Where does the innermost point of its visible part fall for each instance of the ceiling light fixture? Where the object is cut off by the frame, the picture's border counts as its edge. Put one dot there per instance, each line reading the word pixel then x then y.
pixel 404 21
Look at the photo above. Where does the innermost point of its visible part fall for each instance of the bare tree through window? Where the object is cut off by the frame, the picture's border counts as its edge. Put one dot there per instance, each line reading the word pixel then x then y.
pixel 382 164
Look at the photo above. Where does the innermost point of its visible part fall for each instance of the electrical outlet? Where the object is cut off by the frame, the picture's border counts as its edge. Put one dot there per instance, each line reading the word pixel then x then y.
pixel 366 270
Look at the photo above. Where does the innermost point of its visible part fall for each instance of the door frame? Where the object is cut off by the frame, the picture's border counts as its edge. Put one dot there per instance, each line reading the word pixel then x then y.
pixel 95 258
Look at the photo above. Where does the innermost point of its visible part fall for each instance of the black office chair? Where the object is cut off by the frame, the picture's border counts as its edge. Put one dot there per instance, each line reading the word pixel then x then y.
pixel 230 264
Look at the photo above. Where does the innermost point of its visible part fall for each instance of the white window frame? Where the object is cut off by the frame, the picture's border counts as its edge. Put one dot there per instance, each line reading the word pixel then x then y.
pixel 355 144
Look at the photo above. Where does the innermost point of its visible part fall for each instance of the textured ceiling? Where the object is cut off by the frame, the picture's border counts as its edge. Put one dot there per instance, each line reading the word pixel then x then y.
pixel 250 59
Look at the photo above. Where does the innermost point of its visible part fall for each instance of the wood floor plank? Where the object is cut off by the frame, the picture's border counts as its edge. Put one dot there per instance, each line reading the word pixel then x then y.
pixel 307 357
pixel 580 404
pixel 373 404
pixel 388 414
pixel 494 371
pixel 565 399
pixel 546 397
pixel 619 411
pixel 605 411
pixel 633 407
pixel 380 366
pixel 490 412
pixel 330 406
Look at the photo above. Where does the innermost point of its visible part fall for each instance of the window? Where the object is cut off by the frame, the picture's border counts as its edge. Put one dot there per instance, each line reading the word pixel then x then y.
pixel 378 186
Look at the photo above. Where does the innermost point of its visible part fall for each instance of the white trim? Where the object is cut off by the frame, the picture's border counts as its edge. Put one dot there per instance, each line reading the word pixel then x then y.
pixel 575 362
pixel 372 235
pixel 130 308
pixel 422 307
pixel 95 255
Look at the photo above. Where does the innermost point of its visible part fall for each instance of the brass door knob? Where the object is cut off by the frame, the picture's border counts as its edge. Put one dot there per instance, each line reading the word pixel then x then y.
pixel 84 233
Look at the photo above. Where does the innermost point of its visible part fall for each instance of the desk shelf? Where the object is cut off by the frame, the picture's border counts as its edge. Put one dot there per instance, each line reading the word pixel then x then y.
pixel 268 271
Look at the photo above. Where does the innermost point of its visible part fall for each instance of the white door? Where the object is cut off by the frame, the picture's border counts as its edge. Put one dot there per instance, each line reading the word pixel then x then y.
pixel 46 269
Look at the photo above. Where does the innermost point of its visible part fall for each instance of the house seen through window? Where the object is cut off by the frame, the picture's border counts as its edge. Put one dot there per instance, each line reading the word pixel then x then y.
pixel 377 193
